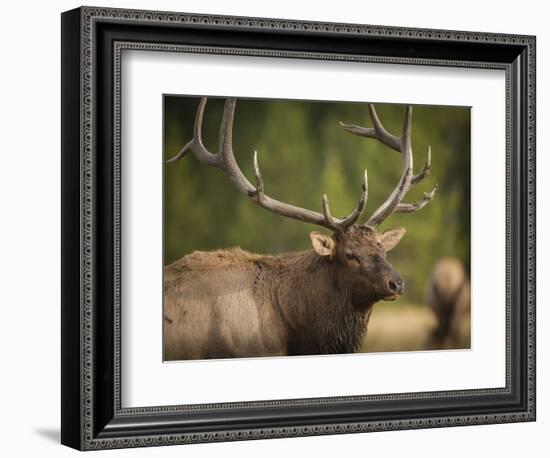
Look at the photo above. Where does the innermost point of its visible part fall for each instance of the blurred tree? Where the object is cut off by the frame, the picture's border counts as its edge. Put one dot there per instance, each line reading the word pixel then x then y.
pixel 304 153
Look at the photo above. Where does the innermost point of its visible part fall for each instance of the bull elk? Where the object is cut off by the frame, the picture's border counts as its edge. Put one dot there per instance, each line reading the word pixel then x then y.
pixel 232 303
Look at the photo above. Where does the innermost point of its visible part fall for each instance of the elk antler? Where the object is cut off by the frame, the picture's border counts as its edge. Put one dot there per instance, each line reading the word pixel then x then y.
pixel 225 161
pixel 402 144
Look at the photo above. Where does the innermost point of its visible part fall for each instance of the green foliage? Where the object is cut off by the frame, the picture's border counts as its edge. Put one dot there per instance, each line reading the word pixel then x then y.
pixel 304 153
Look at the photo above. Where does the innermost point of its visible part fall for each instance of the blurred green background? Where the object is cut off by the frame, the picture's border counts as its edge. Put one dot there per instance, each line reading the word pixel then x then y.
pixel 303 153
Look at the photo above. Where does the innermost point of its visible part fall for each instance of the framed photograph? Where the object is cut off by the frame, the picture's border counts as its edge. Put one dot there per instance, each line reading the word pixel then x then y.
pixel 276 228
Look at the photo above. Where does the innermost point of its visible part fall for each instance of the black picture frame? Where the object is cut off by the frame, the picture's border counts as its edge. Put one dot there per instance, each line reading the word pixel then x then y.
pixel 92 416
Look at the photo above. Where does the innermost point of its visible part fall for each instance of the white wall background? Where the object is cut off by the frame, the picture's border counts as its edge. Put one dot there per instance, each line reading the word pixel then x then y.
pixel 30 229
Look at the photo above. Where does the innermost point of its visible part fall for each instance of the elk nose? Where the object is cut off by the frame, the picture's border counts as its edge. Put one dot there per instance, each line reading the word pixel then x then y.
pixel 396 285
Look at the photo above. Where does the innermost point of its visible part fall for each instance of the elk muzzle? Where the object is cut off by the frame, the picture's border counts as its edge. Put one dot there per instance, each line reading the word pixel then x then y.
pixel 395 286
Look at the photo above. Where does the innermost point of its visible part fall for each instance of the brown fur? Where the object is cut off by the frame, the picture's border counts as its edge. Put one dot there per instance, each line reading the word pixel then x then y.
pixel 449 297
pixel 232 303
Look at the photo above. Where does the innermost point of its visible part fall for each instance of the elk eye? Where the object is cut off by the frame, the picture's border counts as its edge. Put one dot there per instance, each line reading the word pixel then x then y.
pixel 351 257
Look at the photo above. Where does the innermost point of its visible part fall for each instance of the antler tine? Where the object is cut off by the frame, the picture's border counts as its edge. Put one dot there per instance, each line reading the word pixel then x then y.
pixel 377 132
pixel 419 204
pixel 226 162
pixel 386 209
pixel 259 179
pixel 326 210
pixel 403 145
pixel 352 218
pixel 425 170
pixel 181 154
pixel 229 164
pixel 195 144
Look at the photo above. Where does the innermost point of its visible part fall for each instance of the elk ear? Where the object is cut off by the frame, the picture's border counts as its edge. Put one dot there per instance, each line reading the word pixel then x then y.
pixel 322 244
pixel 391 238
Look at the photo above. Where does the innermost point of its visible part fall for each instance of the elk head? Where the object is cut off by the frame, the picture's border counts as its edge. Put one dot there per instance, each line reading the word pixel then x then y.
pixel 359 249
pixel 360 254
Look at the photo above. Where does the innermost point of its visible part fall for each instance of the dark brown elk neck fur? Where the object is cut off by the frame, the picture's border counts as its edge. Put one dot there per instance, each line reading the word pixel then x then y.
pixel 323 313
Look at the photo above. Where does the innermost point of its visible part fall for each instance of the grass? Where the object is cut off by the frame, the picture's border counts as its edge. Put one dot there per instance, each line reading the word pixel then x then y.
pixel 399 327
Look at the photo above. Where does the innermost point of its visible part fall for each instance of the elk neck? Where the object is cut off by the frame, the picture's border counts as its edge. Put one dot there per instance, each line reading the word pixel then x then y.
pixel 317 303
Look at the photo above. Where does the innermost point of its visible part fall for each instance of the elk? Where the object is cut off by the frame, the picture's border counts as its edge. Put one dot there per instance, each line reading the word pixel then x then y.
pixel 448 296
pixel 232 303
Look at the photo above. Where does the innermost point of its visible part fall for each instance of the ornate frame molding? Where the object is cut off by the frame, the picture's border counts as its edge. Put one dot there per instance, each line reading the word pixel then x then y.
pixel 89 434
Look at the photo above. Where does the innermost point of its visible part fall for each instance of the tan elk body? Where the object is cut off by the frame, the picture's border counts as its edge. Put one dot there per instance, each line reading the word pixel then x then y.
pixel 448 296
pixel 231 303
